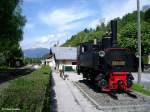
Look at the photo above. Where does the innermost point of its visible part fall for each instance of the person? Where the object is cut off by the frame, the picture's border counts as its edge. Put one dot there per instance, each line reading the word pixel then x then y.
pixel 61 70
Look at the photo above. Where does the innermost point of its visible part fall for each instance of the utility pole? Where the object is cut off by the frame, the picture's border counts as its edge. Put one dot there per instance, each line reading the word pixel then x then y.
pixel 139 39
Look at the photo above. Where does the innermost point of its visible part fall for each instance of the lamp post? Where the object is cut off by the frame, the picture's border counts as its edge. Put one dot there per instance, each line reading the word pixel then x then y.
pixel 139 39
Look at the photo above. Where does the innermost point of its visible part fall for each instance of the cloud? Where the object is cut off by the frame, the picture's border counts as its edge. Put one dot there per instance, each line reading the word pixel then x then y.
pixel 145 2
pixel 64 19
pixel 94 23
pixel 117 9
pixel 45 41
pixel 67 21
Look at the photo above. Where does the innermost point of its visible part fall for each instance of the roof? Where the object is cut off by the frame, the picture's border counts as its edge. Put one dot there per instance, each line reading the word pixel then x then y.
pixel 65 53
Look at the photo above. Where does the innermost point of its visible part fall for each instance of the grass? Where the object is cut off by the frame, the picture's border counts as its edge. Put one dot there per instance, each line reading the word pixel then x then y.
pixel 27 93
pixel 140 88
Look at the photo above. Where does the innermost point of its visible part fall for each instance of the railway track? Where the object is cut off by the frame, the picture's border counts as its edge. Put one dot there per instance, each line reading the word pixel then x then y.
pixel 6 76
pixel 125 102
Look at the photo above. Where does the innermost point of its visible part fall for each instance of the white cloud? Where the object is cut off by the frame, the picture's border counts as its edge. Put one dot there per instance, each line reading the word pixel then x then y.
pixel 145 2
pixel 94 23
pixel 45 41
pixel 112 11
pixel 64 19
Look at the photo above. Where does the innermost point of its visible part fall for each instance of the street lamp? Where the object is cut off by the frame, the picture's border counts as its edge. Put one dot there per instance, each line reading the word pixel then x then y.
pixel 139 39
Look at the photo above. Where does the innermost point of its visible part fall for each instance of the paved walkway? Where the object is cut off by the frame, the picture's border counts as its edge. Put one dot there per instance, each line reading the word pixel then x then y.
pixel 68 97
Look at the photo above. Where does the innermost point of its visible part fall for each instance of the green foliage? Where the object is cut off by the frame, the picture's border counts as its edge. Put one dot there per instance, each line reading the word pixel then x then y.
pixel 2 59
pixel 87 35
pixel 48 94
pixel 140 88
pixel 32 61
pixel 128 37
pixel 127 32
pixel 28 92
pixel 11 28
pixel 147 16
pixel 145 59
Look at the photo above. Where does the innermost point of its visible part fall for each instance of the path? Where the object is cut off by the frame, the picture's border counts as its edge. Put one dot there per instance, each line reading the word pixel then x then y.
pixel 68 97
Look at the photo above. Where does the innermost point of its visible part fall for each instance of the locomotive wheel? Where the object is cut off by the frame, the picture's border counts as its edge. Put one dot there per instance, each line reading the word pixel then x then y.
pixel 91 77
pixel 99 85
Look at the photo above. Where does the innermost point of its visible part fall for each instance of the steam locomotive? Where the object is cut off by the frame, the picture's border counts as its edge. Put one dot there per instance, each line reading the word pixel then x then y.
pixel 106 64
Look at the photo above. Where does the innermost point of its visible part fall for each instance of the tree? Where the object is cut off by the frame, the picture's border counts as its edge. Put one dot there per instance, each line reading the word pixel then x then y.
pixel 101 27
pixel 128 37
pixel 11 28
pixel 145 8
pixel 127 32
pixel 147 15
pixel 86 30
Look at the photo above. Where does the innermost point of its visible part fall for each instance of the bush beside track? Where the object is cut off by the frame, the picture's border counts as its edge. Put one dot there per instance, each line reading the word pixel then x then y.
pixel 140 88
pixel 27 93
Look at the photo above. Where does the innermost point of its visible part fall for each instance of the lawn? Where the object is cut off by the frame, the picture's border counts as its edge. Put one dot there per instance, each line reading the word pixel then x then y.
pixel 27 93
pixel 140 88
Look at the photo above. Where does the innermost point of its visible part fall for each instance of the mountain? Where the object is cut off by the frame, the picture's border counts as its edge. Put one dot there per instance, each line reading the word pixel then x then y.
pixel 35 52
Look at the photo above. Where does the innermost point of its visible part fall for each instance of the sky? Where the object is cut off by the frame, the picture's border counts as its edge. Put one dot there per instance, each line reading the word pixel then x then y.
pixel 55 21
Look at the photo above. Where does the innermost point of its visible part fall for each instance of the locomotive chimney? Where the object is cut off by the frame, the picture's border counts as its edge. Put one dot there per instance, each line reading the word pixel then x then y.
pixel 114 32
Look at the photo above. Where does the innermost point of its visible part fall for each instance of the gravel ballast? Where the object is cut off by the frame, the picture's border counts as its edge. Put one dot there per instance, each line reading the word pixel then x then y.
pixel 124 102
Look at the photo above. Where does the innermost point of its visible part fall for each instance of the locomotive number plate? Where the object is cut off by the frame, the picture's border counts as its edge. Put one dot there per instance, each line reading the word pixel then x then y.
pixel 116 63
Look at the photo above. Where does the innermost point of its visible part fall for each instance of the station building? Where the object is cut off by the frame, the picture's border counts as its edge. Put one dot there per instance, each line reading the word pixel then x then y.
pixel 66 56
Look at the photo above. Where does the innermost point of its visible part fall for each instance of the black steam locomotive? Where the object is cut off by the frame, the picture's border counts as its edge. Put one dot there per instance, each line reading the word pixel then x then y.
pixel 108 65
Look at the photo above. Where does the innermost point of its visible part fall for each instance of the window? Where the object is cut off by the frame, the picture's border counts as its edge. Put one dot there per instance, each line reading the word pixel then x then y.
pixel 74 63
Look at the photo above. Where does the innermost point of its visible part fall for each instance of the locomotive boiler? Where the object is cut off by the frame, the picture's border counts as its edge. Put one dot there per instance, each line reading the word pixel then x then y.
pixel 106 64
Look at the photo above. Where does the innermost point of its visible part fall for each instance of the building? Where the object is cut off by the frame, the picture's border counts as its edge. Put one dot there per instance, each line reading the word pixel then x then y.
pixel 65 56
pixel 50 61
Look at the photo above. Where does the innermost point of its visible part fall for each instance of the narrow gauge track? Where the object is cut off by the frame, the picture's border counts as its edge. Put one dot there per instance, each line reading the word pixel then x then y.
pixel 124 102
pixel 6 76
pixel 128 93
